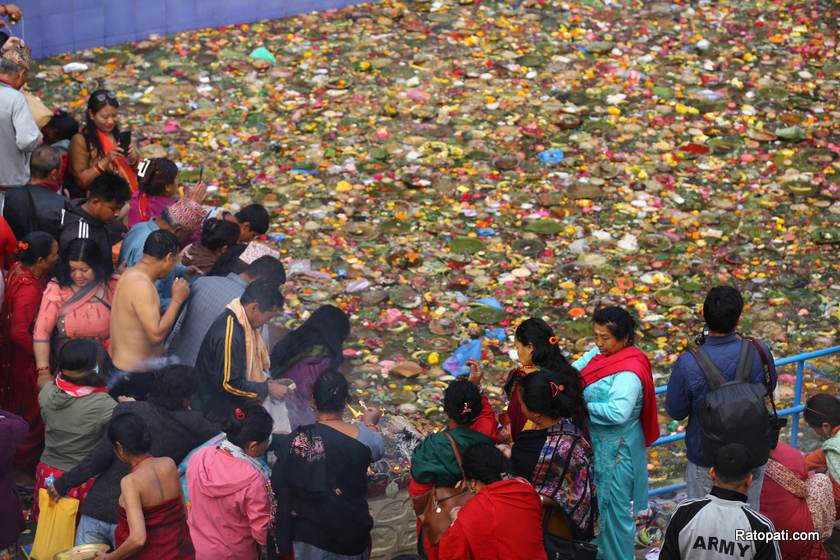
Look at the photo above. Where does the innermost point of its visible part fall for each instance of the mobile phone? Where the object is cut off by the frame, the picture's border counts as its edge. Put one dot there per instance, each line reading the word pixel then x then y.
pixel 125 140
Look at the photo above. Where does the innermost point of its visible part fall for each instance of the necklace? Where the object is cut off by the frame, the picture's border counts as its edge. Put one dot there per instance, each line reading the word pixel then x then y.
pixel 326 419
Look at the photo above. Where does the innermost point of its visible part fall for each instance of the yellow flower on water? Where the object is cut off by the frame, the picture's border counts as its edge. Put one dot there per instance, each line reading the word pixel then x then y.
pixel 685 109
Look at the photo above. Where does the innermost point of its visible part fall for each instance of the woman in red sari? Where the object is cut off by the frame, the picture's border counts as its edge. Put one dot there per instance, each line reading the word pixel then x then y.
pixel 790 498
pixel 537 347
pixel 152 522
pixel 96 148
pixel 25 283
pixel 503 520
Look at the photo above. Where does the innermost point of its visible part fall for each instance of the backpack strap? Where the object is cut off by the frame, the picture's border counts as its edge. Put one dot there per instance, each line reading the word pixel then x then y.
pixel 767 367
pixel 714 378
pixel 743 371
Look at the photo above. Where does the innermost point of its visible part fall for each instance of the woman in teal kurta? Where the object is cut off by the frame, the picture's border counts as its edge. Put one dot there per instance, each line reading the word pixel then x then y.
pixel 622 413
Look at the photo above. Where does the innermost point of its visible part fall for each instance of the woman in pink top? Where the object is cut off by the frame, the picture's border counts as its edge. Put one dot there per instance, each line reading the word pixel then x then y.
pixel 158 182
pixel 76 304
pixel 230 491
pixel 158 190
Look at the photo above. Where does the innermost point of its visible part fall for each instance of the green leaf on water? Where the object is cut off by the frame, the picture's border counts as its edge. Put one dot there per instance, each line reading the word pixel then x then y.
pixel 486 315
pixel 466 245
pixel 545 227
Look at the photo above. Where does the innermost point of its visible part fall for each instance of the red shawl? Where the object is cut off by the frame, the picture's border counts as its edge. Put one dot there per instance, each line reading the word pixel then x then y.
pixel 125 169
pixel 628 359
pixel 502 522
pixel 76 390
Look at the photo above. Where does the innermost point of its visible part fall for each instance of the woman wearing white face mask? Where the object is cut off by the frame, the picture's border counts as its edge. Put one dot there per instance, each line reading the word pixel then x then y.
pixel 76 409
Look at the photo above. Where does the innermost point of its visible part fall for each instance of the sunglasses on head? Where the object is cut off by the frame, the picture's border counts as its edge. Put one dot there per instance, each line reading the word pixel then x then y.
pixel 103 95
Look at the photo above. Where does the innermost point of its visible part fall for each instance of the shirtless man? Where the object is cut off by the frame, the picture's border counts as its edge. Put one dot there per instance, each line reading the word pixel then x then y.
pixel 137 328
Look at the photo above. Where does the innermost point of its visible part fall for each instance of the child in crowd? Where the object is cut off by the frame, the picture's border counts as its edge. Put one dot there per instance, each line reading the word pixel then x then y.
pixel 719 525
pixel 216 237
pixel 152 522
pixel 59 130
pixel 158 182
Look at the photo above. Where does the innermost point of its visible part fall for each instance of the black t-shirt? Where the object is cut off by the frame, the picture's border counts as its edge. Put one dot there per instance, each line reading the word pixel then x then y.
pixel 78 224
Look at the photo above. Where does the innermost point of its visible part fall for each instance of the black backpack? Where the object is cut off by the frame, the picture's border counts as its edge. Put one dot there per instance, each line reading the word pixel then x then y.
pixel 735 411
pixel 33 208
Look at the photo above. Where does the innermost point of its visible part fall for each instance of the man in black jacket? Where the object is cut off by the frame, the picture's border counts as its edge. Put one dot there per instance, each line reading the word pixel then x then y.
pixel 175 430
pixel 37 206
pixel 97 218
pixel 226 360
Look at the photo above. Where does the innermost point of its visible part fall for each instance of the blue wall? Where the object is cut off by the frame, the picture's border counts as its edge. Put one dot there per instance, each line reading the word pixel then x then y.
pixel 59 26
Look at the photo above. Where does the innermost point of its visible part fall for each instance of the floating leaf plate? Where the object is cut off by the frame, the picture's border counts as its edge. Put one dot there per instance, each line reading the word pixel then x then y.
pixel 360 231
pixel 486 315
pixel 669 297
pixel 545 227
pixel 395 226
pixel 826 235
pixel 802 188
pixel 466 245
pixel 655 241
pixel 406 297
pixel 528 247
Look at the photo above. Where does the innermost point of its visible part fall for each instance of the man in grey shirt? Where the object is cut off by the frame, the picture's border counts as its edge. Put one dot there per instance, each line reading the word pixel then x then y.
pixel 19 134
pixel 209 295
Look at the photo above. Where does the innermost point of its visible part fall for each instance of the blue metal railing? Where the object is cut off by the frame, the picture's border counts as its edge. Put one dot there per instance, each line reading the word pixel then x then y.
pixel 794 411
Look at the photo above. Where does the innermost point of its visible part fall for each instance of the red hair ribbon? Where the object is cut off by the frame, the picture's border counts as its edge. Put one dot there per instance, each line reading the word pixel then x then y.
pixel 556 389
pixel 239 413
pixel 553 340
pixel 23 245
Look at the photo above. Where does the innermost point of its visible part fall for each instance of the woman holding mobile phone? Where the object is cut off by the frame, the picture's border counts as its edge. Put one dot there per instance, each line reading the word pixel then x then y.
pixel 100 146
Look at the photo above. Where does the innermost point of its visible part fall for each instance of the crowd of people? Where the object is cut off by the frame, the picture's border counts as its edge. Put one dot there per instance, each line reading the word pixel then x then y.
pixel 140 376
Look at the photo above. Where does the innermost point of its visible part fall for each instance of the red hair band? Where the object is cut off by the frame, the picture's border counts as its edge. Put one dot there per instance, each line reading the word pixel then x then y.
pixel 239 413
pixel 23 245
pixel 556 389
pixel 553 340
